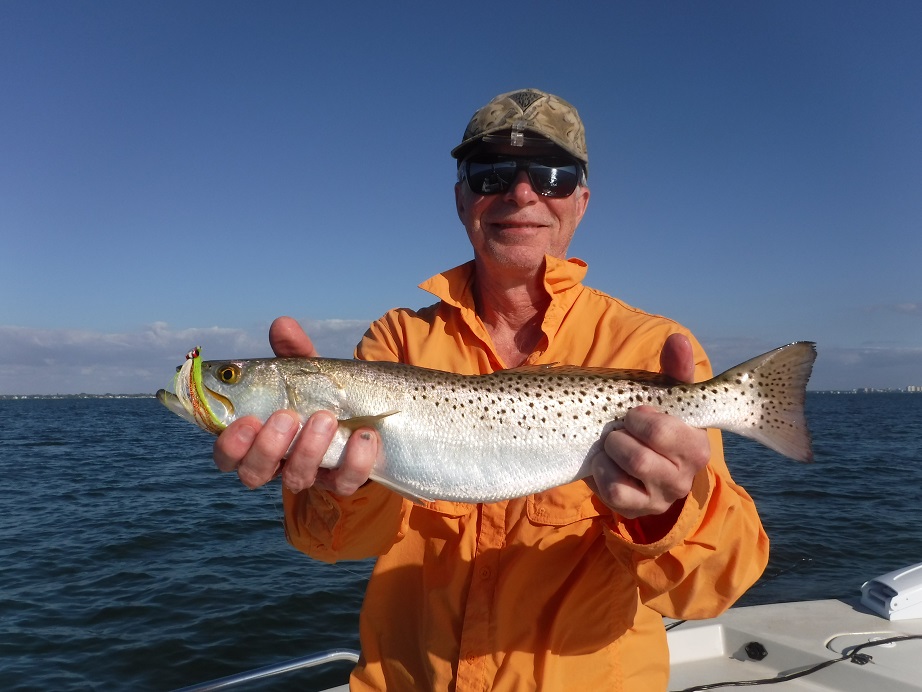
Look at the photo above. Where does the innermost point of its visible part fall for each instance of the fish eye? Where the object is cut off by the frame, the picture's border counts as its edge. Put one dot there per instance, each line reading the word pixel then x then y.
pixel 229 374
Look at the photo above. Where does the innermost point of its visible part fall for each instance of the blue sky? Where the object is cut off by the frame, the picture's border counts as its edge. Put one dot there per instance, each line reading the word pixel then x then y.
pixel 177 173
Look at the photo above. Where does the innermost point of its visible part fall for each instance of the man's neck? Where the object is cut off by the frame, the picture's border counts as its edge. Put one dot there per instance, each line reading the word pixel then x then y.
pixel 512 309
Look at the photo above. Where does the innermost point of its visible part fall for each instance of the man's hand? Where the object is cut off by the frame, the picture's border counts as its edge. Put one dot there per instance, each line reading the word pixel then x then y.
pixel 257 451
pixel 651 463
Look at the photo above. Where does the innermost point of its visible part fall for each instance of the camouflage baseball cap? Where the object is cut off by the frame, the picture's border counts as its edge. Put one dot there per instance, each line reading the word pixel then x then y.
pixel 527 110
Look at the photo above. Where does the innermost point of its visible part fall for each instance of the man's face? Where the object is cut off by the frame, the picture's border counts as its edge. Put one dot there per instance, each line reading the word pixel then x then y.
pixel 512 231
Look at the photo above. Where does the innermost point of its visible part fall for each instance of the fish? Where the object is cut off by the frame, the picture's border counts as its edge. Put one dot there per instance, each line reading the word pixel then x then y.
pixel 510 433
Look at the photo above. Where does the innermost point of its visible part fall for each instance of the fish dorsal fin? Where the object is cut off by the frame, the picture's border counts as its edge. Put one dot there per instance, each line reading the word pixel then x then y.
pixel 644 376
pixel 353 424
pixel 530 369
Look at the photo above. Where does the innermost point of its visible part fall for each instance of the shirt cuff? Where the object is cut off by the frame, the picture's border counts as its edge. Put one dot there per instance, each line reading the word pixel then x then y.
pixel 655 535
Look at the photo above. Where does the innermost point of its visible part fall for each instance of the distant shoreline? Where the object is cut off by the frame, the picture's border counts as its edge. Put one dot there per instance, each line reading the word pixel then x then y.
pixel 12 397
pixel 8 397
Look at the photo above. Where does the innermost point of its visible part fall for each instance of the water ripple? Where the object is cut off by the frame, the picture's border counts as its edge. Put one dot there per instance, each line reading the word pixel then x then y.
pixel 127 561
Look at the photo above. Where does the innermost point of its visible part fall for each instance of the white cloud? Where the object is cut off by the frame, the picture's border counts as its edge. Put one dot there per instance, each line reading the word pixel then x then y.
pixel 877 366
pixel 904 308
pixel 908 308
pixel 73 361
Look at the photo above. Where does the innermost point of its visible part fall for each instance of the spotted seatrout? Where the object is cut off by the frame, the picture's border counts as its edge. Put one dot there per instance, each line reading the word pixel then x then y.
pixel 484 438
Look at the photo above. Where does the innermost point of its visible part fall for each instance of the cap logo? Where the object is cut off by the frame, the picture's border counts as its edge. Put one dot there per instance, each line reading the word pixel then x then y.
pixel 524 98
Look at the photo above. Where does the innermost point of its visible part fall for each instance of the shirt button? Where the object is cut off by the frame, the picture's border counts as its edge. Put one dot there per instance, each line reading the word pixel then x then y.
pixel 485 573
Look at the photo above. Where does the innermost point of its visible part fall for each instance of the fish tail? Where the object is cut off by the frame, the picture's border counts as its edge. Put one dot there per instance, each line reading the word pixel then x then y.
pixel 775 384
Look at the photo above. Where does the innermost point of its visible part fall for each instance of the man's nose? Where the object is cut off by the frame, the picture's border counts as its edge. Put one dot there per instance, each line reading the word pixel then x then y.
pixel 521 192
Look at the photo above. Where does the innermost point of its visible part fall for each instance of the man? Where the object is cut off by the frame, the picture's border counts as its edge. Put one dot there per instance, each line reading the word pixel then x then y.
pixel 565 589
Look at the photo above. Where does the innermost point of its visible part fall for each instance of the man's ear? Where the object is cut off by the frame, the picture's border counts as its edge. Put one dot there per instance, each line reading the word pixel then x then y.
pixel 459 203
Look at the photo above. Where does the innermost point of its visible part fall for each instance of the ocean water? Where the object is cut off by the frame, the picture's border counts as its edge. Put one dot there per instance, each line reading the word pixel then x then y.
pixel 127 561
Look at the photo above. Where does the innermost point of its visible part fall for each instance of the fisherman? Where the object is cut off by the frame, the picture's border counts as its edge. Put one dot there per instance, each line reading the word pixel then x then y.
pixel 564 589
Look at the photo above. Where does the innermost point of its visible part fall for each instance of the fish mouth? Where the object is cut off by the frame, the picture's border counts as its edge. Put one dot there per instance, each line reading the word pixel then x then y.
pixel 173 402
pixel 190 400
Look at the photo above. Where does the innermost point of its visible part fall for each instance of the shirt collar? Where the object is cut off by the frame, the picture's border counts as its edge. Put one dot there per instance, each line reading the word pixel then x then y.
pixel 455 286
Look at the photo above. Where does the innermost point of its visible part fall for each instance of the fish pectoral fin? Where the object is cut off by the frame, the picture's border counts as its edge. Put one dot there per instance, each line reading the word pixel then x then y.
pixel 353 424
pixel 400 490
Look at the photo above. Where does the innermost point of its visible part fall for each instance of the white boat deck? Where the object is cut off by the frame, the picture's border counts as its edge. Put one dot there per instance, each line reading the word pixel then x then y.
pixel 798 636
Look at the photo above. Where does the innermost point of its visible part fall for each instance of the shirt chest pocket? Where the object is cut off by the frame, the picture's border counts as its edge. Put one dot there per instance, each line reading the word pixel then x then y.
pixel 565 505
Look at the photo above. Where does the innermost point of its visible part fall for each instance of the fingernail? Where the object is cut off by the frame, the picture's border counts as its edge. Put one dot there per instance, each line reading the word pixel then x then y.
pixel 282 422
pixel 322 424
pixel 246 434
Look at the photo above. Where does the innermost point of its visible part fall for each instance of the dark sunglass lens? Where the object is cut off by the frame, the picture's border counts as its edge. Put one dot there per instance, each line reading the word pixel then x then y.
pixel 490 177
pixel 553 180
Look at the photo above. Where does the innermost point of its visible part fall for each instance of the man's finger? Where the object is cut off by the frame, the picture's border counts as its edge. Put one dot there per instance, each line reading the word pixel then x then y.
pixel 677 359
pixel 288 340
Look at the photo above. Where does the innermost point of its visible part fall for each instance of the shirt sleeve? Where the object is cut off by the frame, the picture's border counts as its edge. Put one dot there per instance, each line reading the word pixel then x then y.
pixel 330 527
pixel 713 552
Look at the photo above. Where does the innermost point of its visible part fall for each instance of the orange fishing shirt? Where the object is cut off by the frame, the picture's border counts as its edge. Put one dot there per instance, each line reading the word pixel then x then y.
pixel 552 591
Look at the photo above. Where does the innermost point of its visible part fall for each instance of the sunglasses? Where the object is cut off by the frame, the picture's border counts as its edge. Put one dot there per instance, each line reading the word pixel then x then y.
pixel 549 176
